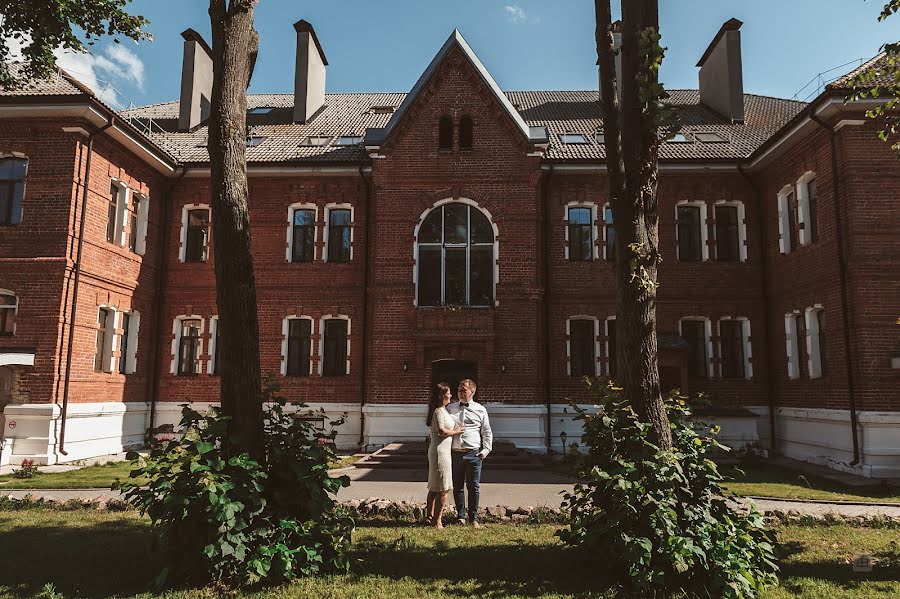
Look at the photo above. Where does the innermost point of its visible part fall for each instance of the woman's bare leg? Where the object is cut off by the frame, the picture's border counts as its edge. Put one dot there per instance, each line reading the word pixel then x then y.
pixel 429 506
pixel 440 502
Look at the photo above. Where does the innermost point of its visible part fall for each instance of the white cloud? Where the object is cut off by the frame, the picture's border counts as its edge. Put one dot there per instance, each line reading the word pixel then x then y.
pixel 516 14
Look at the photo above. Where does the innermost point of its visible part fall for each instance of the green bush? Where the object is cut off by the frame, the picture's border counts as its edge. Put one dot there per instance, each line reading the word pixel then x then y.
pixel 660 523
pixel 229 519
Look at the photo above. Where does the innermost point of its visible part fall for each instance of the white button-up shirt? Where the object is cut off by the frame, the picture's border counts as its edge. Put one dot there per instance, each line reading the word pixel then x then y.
pixel 478 435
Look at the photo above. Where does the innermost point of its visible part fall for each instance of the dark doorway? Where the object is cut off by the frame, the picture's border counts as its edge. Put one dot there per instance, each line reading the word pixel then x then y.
pixel 670 378
pixel 451 372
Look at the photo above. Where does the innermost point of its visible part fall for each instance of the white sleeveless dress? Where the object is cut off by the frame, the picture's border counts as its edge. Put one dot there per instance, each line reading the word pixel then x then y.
pixel 440 473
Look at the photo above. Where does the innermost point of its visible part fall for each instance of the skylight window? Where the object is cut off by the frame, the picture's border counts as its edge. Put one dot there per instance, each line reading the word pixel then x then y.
pixel 316 140
pixel 261 110
pixel 710 137
pixel 573 138
pixel 255 140
pixel 600 137
pixel 381 109
pixel 348 140
pixel 680 138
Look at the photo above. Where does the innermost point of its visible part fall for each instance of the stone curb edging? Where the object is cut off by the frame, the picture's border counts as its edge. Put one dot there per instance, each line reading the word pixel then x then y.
pixel 822 501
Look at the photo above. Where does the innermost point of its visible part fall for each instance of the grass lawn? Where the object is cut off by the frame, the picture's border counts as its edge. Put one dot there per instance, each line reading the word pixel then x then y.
pixel 100 554
pixel 96 477
pixel 773 481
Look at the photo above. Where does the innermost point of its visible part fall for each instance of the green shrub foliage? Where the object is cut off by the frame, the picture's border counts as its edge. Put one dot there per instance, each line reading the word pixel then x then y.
pixel 660 523
pixel 229 519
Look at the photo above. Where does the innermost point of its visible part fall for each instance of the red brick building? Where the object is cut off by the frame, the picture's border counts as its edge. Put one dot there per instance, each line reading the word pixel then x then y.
pixel 456 230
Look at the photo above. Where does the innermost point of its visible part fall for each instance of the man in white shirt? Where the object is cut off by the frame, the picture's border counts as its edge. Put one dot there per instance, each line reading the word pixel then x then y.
pixel 469 450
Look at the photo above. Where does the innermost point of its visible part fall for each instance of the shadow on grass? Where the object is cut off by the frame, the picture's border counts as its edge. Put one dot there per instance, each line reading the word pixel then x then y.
pixel 105 559
pixel 838 574
pixel 488 571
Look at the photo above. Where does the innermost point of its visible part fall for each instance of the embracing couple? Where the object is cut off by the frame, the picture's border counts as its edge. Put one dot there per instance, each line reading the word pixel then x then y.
pixel 461 438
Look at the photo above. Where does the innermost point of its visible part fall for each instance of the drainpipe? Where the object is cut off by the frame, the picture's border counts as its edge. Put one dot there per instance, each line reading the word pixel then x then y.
pixel 153 382
pixel 84 199
pixel 364 362
pixel 767 300
pixel 545 189
pixel 842 271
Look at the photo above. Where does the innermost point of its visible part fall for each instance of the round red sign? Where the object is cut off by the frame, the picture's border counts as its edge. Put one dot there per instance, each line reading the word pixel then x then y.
pixel 12 424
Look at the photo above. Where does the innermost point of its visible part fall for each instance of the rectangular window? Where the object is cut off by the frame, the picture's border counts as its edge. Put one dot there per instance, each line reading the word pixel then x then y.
pixel 813 216
pixel 802 354
pixel 334 348
pixel 197 235
pixel 133 211
pixel 690 237
pixel 112 210
pixel 189 347
pixel 304 236
pixel 612 365
pixel 339 230
pixel 694 332
pixel 429 273
pixel 8 305
pixel 581 239
pixel 12 189
pixel 731 341
pixel 728 239
pixel 101 356
pixel 298 346
pixel 792 209
pixel 583 358
pixel 610 234
pixel 123 345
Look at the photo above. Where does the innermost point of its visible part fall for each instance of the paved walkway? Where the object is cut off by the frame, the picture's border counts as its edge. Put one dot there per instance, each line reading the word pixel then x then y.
pixel 497 488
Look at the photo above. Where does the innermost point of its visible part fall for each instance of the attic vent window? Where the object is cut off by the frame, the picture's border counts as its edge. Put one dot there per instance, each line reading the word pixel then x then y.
pixel 254 140
pixel 710 138
pixel 316 140
pixel 381 109
pixel 348 140
pixel 261 110
pixel 680 138
pixel 574 138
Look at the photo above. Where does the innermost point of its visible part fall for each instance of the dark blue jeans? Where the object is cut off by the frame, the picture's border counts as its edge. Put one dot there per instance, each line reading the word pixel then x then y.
pixel 466 475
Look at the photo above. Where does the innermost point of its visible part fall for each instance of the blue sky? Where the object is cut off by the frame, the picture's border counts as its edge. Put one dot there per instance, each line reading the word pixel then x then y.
pixel 383 45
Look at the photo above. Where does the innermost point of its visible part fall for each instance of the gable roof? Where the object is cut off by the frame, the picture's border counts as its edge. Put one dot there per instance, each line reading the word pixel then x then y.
pixel 883 74
pixel 376 137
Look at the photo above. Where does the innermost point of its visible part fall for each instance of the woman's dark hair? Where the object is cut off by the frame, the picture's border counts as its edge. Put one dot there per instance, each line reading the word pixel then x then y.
pixel 436 400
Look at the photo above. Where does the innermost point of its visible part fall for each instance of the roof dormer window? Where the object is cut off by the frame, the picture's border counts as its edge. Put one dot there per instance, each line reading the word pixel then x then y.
pixel 254 140
pixel 261 110
pixel 381 110
pixel 316 141
pixel 574 138
pixel 348 140
pixel 709 137
pixel 679 138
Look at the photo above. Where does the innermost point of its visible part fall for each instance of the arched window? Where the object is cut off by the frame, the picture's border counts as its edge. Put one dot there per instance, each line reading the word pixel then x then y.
pixel 445 133
pixel 456 256
pixel 465 133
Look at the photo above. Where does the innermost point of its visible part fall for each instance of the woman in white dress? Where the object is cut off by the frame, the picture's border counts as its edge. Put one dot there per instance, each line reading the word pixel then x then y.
pixel 440 475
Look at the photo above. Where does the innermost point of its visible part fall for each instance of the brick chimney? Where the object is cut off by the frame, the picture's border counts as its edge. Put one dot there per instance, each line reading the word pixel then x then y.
pixel 309 77
pixel 196 81
pixel 721 73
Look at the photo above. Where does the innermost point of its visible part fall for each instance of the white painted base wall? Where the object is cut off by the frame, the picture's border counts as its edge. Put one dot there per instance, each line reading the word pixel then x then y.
pixel 31 431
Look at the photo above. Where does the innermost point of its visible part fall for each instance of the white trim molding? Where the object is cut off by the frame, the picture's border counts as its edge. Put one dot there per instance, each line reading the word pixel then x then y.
pixel 742 227
pixel 784 219
pixel 322 322
pixel 792 344
pixel 704 228
pixel 289 251
pixel 285 329
pixel 803 207
pixel 176 341
pixel 813 341
pixel 707 340
pixel 337 206
pixel 182 248
pixel 595 233
pixel 131 337
pixel 606 356
pixel 213 343
pixel 596 329
pixel 746 341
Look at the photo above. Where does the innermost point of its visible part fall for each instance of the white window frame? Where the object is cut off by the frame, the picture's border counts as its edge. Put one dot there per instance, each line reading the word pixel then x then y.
pixel 595 253
pixel 122 197
pixel 704 228
pixel 13 309
pixel 131 337
pixel 289 250
pixel 596 322
pixel 143 217
pixel 742 227
pixel 792 347
pixel 213 342
pixel 285 328
pixel 337 206
pixel 424 215
pixel 707 339
pixel 108 360
pixel 606 343
pixel 182 248
pixel 322 340
pixel 747 342
pixel 803 214
pixel 784 220
pixel 602 219
pixel 812 341
pixel 176 341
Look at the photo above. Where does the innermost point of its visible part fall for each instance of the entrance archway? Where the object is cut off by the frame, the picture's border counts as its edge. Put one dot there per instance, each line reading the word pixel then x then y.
pixel 452 371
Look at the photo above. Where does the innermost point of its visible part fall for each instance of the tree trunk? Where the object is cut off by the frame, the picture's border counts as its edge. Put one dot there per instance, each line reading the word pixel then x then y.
pixel 631 129
pixel 234 46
